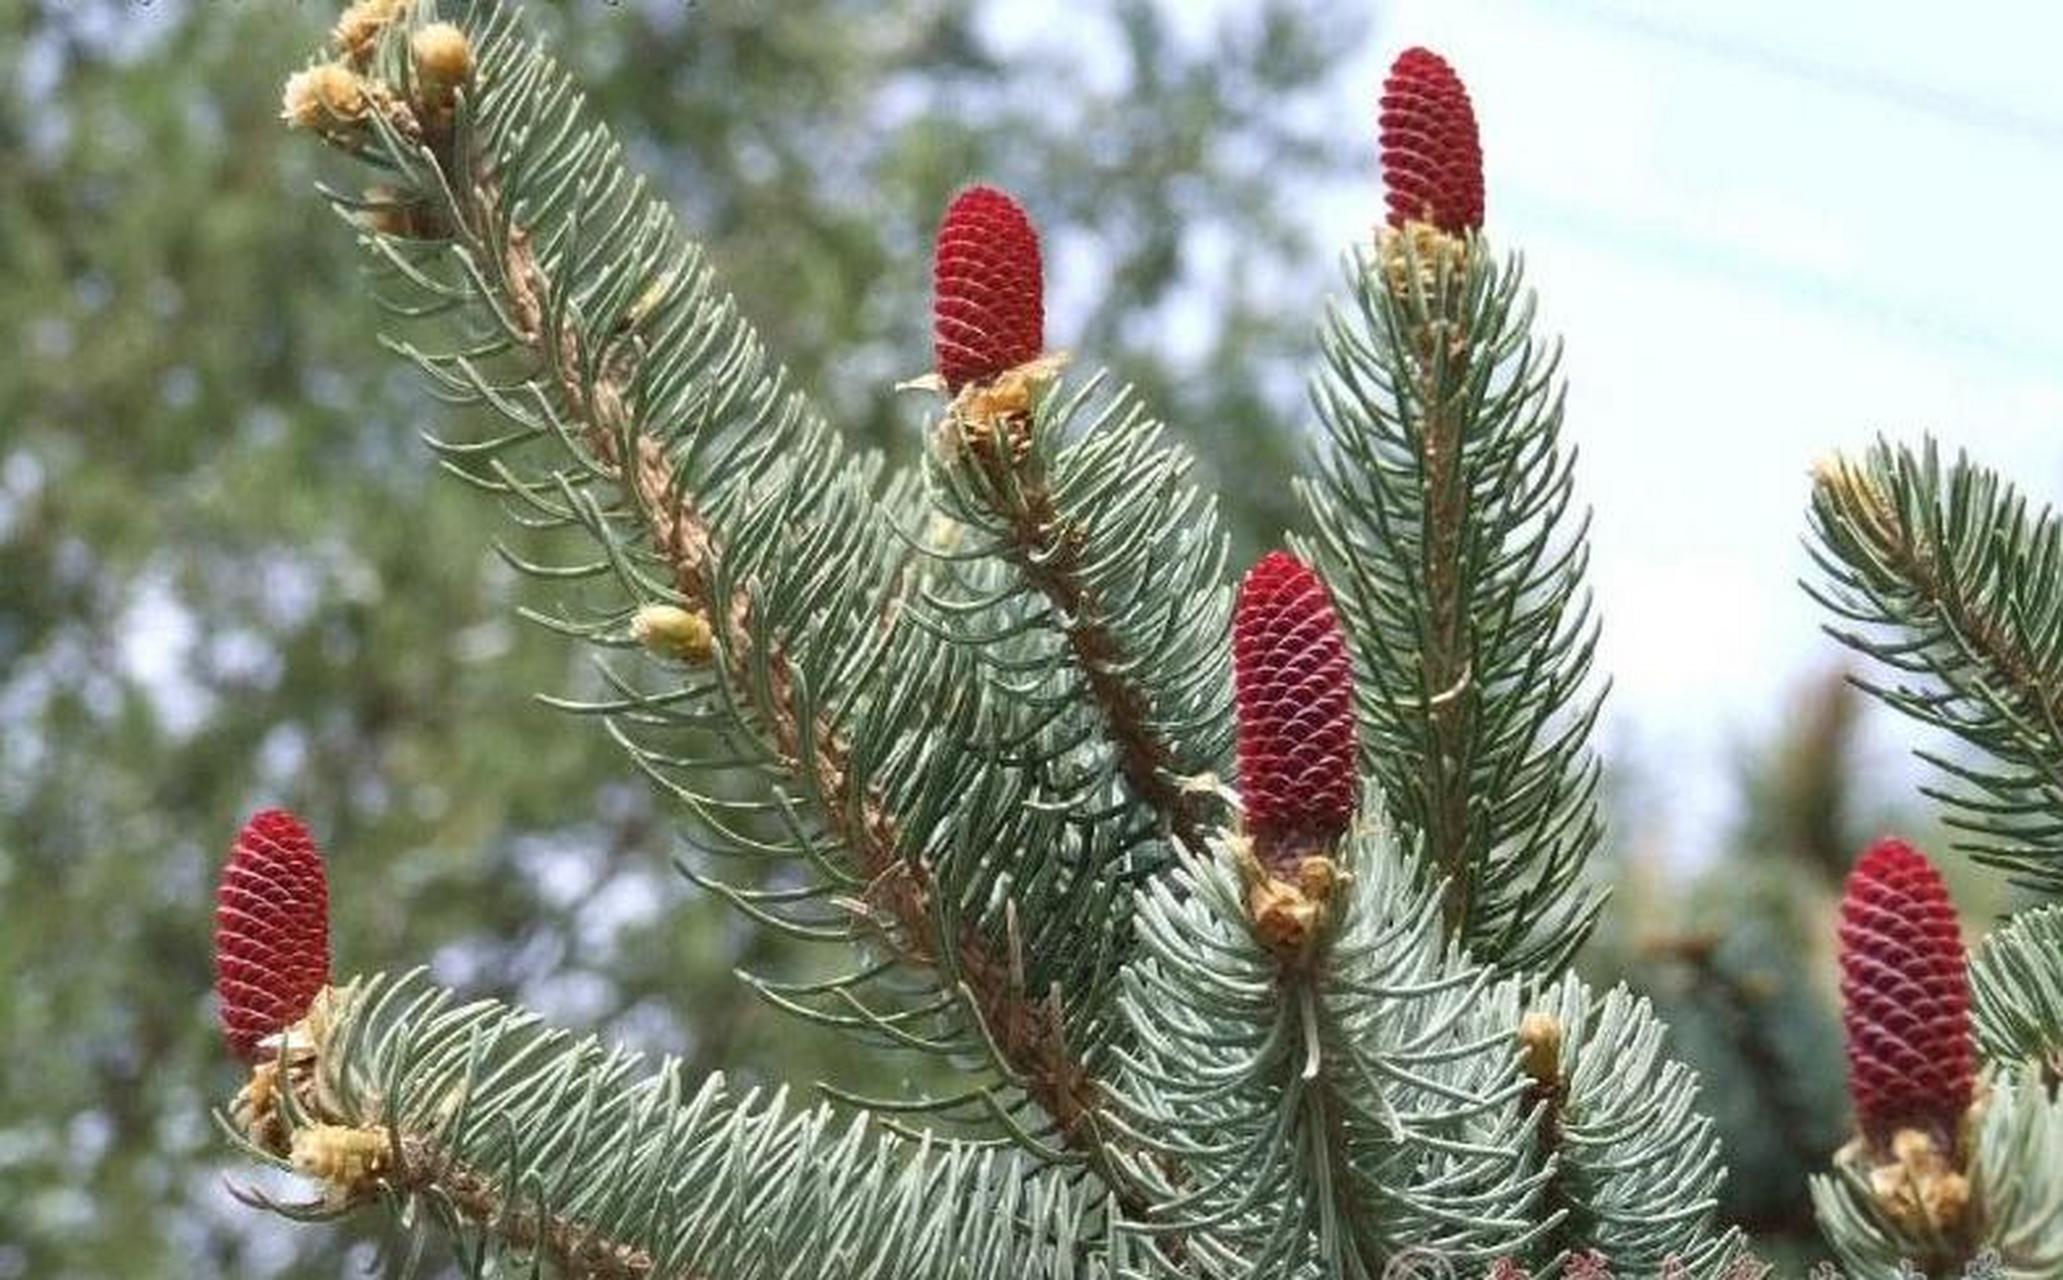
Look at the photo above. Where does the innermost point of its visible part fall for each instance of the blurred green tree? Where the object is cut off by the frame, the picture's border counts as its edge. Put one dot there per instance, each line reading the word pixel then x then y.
pixel 1739 957
pixel 221 582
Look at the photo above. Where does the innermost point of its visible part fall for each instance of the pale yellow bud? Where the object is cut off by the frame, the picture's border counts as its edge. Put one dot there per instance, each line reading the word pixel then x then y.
pixel 655 295
pixel 1831 470
pixel 1436 255
pixel 1540 1036
pixel 256 1108
pixel 345 1157
pixel 1862 500
pixel 1920 1187
pixel 673 632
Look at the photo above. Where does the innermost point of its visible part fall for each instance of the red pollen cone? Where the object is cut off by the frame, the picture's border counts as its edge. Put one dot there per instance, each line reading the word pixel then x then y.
pixel 989 305
pixel 272 946
pixel 1432 159
pixel 1905 994
pixel 1295 689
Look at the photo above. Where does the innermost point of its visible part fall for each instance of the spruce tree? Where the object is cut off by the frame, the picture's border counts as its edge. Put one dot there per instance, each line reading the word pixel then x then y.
pixel 1232 914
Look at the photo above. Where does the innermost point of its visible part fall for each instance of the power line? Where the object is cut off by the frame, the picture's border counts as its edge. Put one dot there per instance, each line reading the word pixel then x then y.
pixel 1733 262
pixel 1736 261
pixel 1958 109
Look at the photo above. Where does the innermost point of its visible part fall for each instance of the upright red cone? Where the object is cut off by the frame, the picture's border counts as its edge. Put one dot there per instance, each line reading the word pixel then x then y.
pixel 1905 992
pixel 1432 159
pixel 272 946
pixel 1295 689
pixel 989 293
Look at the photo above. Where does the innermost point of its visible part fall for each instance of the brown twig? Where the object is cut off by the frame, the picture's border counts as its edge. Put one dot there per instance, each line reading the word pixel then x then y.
pixel 574 1247
pixel 1442 365
pixel 1047 548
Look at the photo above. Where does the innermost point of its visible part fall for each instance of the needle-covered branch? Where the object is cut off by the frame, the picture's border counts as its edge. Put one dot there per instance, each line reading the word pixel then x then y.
pixel 2016 994
pixel 1347 1107
pixel 641 415
pixel 1953 580
pixel 1333 1108
pixel 1634 1167
pixel 520 1142
pixel 1445 518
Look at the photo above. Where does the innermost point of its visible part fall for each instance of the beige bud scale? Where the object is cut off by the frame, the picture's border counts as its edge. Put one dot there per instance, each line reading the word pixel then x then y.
pixel 1920 1187
pixel 325 96
pixel 443 58
pixel 358 29
pixel 1540 1037
pixel 346 1157
pixel 673 632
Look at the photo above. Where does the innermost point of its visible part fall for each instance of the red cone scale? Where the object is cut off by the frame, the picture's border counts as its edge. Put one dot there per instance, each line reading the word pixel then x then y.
pixel 272 947
pixel 989 305
pixel 1432 160
pixel 1295 689
pixel 1905 994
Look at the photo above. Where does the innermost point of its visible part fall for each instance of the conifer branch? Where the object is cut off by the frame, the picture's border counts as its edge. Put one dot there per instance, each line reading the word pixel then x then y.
pixel 1635 1168
pixel 1336 1107
pixel 2016 993
pixel 1439 517
pixel 574 1247
pixel 729 500
pixel 1944 575
pixel 1049 551
pixel 524 1142
pixel 899 887
pixel 1445 810
pixel 1116 561
pixel 364 1164
pixel 1129 572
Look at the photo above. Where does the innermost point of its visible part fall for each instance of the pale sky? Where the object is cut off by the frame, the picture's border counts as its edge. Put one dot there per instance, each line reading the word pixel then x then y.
pixel 1763 229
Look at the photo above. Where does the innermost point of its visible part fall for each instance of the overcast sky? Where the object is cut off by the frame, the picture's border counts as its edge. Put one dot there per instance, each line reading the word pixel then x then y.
pixel 1764 230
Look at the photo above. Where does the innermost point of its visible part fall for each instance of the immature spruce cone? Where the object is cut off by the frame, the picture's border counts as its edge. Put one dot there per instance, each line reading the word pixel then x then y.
pixel 989 309
pixel 1296 712
pixel 272 947
pixel 1906 997
pixel 1432 160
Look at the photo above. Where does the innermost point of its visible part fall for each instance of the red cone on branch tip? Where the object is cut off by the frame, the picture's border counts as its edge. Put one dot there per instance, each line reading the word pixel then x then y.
pixel 1432 159
pixel 988 288
pixel 272 952
pixel 1905 994
pixel 1295 690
